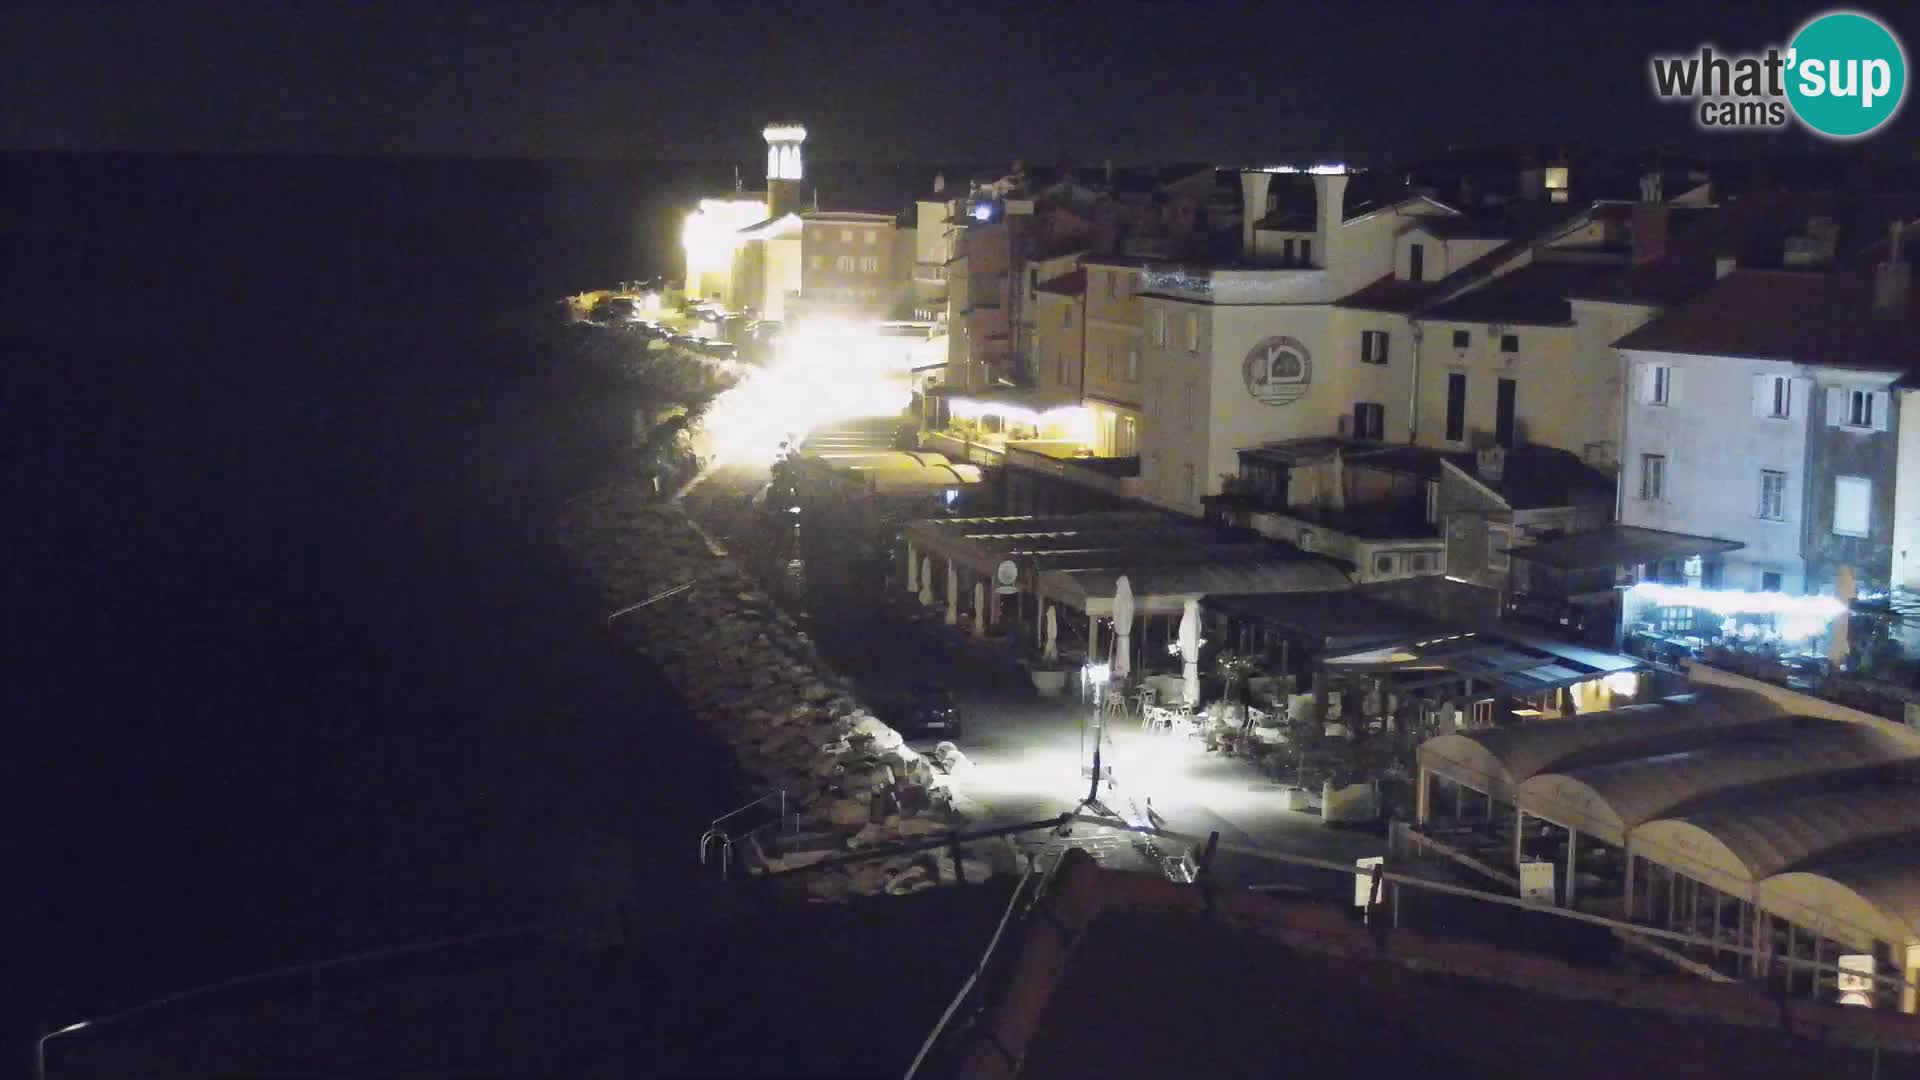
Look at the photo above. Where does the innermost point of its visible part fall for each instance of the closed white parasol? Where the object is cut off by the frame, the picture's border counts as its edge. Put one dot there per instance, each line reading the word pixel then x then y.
pixel 1051 653
pixel 1122 625
pixel 1190 652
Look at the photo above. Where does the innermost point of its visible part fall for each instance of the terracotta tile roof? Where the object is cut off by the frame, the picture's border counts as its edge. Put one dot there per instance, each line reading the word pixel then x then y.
pixel 1824 318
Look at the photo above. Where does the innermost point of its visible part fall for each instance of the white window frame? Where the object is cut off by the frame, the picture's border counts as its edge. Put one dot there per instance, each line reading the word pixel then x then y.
pixel 1864 487
pixel 1193 331
pixel 846 236
pixel 1498 537
pixel 1859 409
pixel 869 237
pixel 1133 363
pixel 1659 384
pixel 1113 284
pixel 1774 401
pixel 1375 346
pixel 844 264
pixel 1774 500
pixel 1653 477
pixel 1159 321
pixel 869 264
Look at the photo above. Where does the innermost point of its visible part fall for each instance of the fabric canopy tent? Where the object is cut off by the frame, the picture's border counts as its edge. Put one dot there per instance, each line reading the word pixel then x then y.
pixel 1497 761
pixel 1606 801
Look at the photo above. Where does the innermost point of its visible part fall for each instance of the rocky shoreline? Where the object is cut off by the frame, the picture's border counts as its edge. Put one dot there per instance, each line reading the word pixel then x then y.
pixel 752 678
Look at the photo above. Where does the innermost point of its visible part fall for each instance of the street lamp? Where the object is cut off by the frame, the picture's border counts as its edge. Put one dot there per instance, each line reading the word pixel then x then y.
pixel 1096 675
pixel 40 1047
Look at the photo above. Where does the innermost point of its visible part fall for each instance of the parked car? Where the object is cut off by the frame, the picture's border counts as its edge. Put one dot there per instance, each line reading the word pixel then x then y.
pixel 932 710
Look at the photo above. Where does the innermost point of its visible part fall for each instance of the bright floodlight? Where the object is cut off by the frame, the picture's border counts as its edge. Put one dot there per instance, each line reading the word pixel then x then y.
pixel 822 372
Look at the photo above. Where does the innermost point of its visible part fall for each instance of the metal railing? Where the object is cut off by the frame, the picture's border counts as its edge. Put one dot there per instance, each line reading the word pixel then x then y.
pixel 718 835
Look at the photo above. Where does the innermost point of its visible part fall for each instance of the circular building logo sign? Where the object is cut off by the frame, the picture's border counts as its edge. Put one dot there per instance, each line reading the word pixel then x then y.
pixel 1277 371
pixel 1848 74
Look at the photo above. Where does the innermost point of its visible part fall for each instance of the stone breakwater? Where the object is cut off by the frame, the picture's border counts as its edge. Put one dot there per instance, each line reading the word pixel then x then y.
pixel 750 675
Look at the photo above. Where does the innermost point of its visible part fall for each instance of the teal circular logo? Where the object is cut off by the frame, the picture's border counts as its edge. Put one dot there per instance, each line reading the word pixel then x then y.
pixel 1846 74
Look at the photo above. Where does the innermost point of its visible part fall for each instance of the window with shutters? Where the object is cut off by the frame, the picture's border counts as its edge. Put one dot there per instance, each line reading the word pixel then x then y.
pixel 1369 420
pixel 1456 406
pixel 1656 387
pixel 1109 367
pixel 1113 284
pixel 869 264
pixel 1193 331
pixel 1373 346
pixel 1066 318
pixel 1653 477
pixel 1190 416
pixel 1852 497
pixel 1133 364
pixel 1160 327
pixel 1773 396
pixel 1773 494
pixel 1859 408
pixel 1509 343
pixel 1499 538
pixel 844 264
pixel 1462 338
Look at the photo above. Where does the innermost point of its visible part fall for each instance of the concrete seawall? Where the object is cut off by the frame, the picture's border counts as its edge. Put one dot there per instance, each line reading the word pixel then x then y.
pixel 751 677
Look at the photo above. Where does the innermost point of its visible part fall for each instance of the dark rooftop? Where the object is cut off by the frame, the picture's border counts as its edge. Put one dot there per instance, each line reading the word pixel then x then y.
pixel 1539 477
pixel 1534 295
pixel 1754 229
pixel 1806 317
pixel 1071 284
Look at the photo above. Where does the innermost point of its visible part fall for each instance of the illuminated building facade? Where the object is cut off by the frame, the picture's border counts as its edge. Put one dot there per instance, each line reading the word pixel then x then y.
pixel 849 269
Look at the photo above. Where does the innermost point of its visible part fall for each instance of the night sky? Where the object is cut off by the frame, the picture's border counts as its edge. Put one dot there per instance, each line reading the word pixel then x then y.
pixel 874 82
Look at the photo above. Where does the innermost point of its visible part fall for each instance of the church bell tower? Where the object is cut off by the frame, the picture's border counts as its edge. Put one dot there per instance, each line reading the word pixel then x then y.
pixel 783 167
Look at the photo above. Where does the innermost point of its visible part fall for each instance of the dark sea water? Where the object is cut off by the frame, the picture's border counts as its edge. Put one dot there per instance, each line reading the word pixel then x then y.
pixel 293 665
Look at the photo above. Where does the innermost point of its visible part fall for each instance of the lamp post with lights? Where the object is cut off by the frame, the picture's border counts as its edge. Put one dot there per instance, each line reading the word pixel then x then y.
pixel 40 1047
pixel 1095 676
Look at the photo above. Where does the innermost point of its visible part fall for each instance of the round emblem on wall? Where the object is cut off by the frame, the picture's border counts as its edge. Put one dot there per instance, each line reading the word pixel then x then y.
pixel 1277 371
pixel 1006 573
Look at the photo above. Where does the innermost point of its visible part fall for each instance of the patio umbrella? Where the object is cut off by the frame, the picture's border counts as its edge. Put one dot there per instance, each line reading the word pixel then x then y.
pixel 913 570
pixel 979 609
pixel 1841 642
pixel 953 595
pixel 926 581
pixel 1122 624
pixel 1190 652
pixel 1051 653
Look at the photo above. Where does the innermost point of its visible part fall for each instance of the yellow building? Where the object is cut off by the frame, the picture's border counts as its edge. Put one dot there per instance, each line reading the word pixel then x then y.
pixel 1110 385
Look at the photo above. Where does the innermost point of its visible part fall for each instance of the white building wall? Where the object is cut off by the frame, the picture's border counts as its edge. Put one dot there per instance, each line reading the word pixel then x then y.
pixel 1906 497
pixel 1715 448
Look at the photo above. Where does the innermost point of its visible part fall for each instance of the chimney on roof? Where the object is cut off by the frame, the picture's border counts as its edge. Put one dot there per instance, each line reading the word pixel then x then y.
pixel 1724 265
pixel 1491 464
pixel 1649 227
pixel 1893 279
pixel 1253 206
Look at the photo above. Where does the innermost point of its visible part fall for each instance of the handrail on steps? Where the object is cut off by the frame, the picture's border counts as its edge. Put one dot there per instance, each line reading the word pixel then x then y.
pixel 716 831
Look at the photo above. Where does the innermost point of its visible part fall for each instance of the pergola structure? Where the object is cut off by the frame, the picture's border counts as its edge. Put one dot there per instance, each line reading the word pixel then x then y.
pixel 1074 562
pixel 1493 668
pixel 1780 842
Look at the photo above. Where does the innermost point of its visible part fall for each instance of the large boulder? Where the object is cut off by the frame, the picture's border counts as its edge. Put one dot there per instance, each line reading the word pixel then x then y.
pixel 848 813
